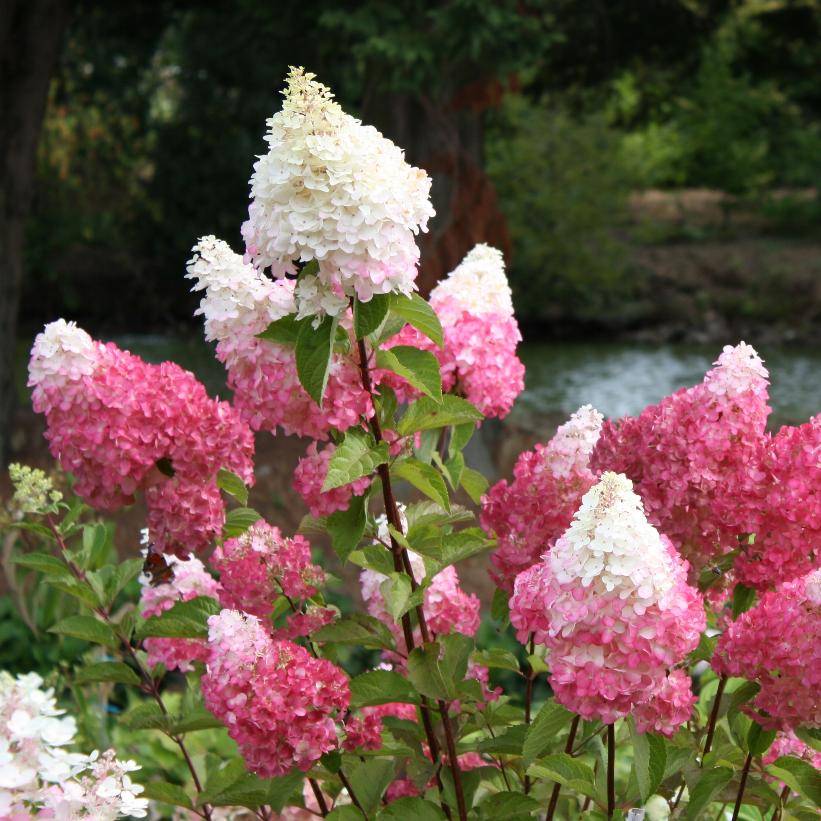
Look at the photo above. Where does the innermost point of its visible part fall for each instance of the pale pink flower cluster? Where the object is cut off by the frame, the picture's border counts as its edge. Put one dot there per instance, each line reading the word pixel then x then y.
pixel 530 513
pixel 240 303
pixel 190 580
pixel 112 418
pixel 611 603
pixel 689 454
pixel 39 778
pixel 332 190
pixel 277 701
pixel 670 705
pixel 788 743
pixel 309 476
pixel 262 564
pixel 778 644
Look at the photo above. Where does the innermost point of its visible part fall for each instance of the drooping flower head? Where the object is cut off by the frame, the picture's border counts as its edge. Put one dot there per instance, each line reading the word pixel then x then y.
pixel 611 604
pixel 778 644
pixel 333 190
pixel 239 303
pixel 531 512
pixel 277 701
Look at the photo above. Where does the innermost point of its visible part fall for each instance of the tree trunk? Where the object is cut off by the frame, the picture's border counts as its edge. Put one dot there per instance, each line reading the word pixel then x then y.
pixel 30 35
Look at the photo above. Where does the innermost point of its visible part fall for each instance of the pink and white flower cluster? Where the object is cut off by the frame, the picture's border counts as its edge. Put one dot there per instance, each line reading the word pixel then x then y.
pixel 530 513
pixel 778 644
pixel 277 701
pixel 333 190
pixel 39 778
pixel 113 419
pixel 309 477
pixel 611 604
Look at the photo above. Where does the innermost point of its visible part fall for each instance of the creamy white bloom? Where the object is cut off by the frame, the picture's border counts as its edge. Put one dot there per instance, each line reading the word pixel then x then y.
pixel 738 369
pixel 62 353
pixel 570 448
pixel 333 190
pixel 478 284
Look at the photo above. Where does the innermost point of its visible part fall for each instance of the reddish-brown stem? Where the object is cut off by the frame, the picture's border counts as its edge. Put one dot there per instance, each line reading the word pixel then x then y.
pixel 711 725
pixel 568 747
pixel 320 799
pixel 743 783
pixel 347 785
pixel 779 810
pixel 611 770
pixel 529 698
pixel 453 760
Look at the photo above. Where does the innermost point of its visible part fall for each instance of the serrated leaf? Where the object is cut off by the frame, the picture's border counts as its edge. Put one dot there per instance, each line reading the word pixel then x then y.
pixel 427 414
pixel 424 478
pixel 232 485
pixel 454 467
pixel 428 674
pixel 456 650
pixel 497 658
pixel 238 520
pixel 758 739
pixel 799 775
pixel 510 742
pixel 284 331
pixel 314 347
pixel 396 592
pixel 377 687
pixel 370 780
pixel 196 719
pixel 463 544
pixel 503 806
pixel 346 527
pixel 87 628
pixel 43 563
pixel 419 368
pixel 347 812
pixel 708 786
pixel 167 793
pixel 404 809
pixel 418 313
pixel 499 606
pixel 565 770
pixel 368 316
pixel 474 483
pixel 741 695
pixel 743 599
pixel 356 456
pixel 544 729
pixel 145 716
pixel 221 778
pixel 185 620
pixel 110 671
pixel 74 587
pixel 460 435
pixel 357 629
pixel 649 760
pixel 282 788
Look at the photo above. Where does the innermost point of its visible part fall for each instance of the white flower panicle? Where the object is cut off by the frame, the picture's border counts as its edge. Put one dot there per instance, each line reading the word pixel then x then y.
pixel 569 450
pixel 237 298
pixel 738 369
pixel 33 491
pixel 333 190
pixel 478 284
pixel 61 353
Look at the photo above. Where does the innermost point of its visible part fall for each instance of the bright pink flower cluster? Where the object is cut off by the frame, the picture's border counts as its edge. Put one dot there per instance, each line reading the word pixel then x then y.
pixel 260 565
pixel 689 454
pixel 309 476
pixel 778 644
pixel 611 603
pixel 277 701
pixel 670 706
pixel 788 743
pixel 190 580
pixel 307 622
pixel 530 513
pixel 118 423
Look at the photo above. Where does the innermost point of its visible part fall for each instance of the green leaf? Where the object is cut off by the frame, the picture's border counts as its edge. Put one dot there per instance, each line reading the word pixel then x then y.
pixel 145 716
pixel 347 526
pixel 167 793
pixel 356 456
pixel 232 485
pixel 87 628
pixel 373 557
pixel 424 478
pixel 743 599
pixel 396 591
pixel 544 729
pixel 370 780
pixel 464 544
pixel 799 775
pixel 456 650
pixel 119 578
pixel 347 812
pixel 810 736
pixel 381 687
pixel 404 809
pixel 368 316
pixel 314 347
pixel 509 743
pixel 113 671
pixel 454 467
pixel 503 806
pixel 649 760
pixel 475 484
pixel 565 770
pixel 415 311
pixel 43 563
pixel 199 718
pixel 74 587
pixel 708 786
pixel 428 674
pixel 221 778
pixel 704 651
pixel 419 368
pixel 460 436
pixel 741 695
pixel 499 606
pixel 497 658
pixel 185 620
pixel 427 414
pixel 284 331
pixel 238 520
pixel 758 739
pixel 282 788
pixel 357 628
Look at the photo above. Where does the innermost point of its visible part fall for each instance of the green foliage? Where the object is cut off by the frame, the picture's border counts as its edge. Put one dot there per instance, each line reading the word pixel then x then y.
pixel 357 455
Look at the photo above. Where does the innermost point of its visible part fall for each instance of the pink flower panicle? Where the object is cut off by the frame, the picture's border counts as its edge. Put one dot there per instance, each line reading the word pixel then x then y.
pixel 260 565
pixel 190 580
pixel 611 604
pixel 310 475
pixel 530 513
pixel 669 707
pixel 277 701
pixel 778 644
pixel 112 418
pixel 788 743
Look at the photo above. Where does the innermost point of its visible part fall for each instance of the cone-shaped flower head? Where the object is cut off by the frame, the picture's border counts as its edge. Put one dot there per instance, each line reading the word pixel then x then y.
pixel 611 603
pixel 531 512
pixel 333 190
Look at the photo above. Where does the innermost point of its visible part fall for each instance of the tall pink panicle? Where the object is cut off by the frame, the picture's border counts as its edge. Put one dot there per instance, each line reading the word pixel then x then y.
pixel 611 603
pixel 669 707
pixel 261 565
pixel 778 644
pixel 689 454
pixel 309 476
pixel 190 579
pixel 530 513
pixel 278 702
pixel 238 304
pixel 120 425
